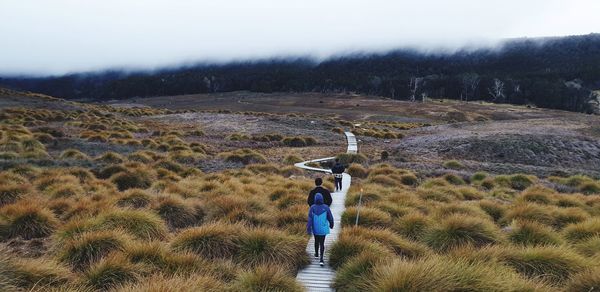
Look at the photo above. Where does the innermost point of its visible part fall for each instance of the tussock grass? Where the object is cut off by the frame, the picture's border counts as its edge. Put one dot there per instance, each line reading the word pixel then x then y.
pixel 583 231
pixel 89 247
pixel 357 170
pixel 111 158
pixel 589 247
pixel 347 247
pixel 355 274
pixel 453 164
pixel 413 225
pixel 369 217
pixel 10 193
pixel 257 247
pixel 388 239
pixel 176 212
pixel 445 274
pixel 26 220
pixel 244 156
pixel 111 272
pixel 585 281
pixel 212 241
pixel 460 230
pixel 548 263
pixel 266 278
pixel 28 273
pixel 132 179
pixel 292 159
pixel 141 224
pixel 74 154
pixel 175 283
pixel 134 198
pixel 533 234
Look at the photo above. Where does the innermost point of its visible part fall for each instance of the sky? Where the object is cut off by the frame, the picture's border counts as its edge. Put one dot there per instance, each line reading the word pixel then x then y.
pixel 54 37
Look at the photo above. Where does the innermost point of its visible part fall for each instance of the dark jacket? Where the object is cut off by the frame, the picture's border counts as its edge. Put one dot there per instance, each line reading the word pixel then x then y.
pixel 318 208
pixel 323 191
pixel 338 168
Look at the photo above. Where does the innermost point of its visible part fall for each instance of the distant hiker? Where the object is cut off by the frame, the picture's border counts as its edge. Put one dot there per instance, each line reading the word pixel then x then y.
pixel 320 220
pixel 321 190
pixel 338 173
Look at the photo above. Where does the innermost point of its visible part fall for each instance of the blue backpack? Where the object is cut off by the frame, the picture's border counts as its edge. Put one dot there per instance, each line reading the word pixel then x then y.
pixel 320 224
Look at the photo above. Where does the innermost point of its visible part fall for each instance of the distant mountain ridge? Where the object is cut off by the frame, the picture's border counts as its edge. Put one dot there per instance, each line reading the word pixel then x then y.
pixel 556 72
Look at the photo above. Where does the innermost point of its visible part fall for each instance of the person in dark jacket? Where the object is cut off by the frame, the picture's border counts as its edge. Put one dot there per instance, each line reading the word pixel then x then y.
pixel 319 189
pixel 338 173
pixel 320 221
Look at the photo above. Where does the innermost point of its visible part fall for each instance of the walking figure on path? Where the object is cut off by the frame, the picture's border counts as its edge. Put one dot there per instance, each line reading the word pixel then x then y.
pixel 320 221
pixel 321 190
pixel 338 173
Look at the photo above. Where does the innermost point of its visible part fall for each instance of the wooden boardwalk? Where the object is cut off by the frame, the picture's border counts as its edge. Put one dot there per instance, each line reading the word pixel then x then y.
pixel 314 277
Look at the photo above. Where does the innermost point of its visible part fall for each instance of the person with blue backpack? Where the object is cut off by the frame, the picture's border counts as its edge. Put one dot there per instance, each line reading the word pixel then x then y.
pixel 320 221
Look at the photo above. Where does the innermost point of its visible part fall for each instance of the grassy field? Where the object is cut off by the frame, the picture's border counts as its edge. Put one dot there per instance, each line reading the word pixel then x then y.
pixel 145 196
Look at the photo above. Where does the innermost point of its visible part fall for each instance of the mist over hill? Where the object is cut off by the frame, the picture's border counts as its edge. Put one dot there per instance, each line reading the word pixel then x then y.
pixel 559 73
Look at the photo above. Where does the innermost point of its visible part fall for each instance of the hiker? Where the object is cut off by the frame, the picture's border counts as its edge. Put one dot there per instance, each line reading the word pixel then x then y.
pixel 321 190
pixel 338 173
pixel 320 220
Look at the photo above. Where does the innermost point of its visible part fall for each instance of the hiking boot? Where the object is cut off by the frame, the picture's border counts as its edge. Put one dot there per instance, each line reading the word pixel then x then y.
pixel 316 255
pixel 321 263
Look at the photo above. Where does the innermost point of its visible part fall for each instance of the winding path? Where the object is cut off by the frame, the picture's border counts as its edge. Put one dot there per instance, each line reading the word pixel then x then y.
pixel 314 277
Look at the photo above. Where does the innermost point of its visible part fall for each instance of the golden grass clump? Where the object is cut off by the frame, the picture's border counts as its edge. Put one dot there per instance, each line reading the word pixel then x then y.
pixel 585 281
pixel 453 164
pixel 461 230
pixel 175 283
pixel 134 198
pixel 582 231
pixel 27 220
pixel 257 247
pixel 10 193
pixel 141 224
pixel 111 272
pixel 244 156
pixel 412 225
pixel 111 158
pixel 292 159
pixel 74 154
pixel 89 247
pixel 369 217
pixel 355 274
pixel 212 241
pixel 176 212
pixel 132 179
pixel 390 240
pixel 30 274
pixel 533 234
pixel 348 247
pixel 266 278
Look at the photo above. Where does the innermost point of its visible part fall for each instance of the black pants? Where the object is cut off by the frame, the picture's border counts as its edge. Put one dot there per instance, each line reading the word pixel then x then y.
pixel 320 245
pixel 338 183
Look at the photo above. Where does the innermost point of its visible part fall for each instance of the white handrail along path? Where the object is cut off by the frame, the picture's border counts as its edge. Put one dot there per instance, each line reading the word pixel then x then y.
pixel 313 276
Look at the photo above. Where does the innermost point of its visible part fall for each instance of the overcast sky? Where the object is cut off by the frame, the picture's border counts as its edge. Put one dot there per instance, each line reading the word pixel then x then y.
pixel 61 36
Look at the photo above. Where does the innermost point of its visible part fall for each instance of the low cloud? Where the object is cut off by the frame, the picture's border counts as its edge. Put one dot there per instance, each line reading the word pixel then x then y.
pixel 62 36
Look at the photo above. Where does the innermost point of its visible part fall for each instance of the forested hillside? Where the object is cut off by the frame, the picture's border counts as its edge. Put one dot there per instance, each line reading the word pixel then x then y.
pixel 561 73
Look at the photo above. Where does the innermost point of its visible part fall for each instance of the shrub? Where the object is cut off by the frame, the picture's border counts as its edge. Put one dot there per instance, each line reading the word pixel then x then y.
pixel 412 225
pixel 111 272
pixel 26 220
pixel 585 281
pixel 583 231
pixel 132 179
pixel 176 212
pixel 89 247
pixel 453 164
pixel 257 247
pixel 550 263
pixel 369 217
pixel 532 233
pixel 266 278
pixel 459 230
pixel 212 241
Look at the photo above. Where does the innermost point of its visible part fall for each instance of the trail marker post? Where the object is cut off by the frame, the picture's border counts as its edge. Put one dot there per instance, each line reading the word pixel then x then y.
pixel 358 209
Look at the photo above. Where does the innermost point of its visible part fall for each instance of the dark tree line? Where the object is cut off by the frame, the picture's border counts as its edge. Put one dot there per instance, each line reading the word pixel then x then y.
pixel 559 73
